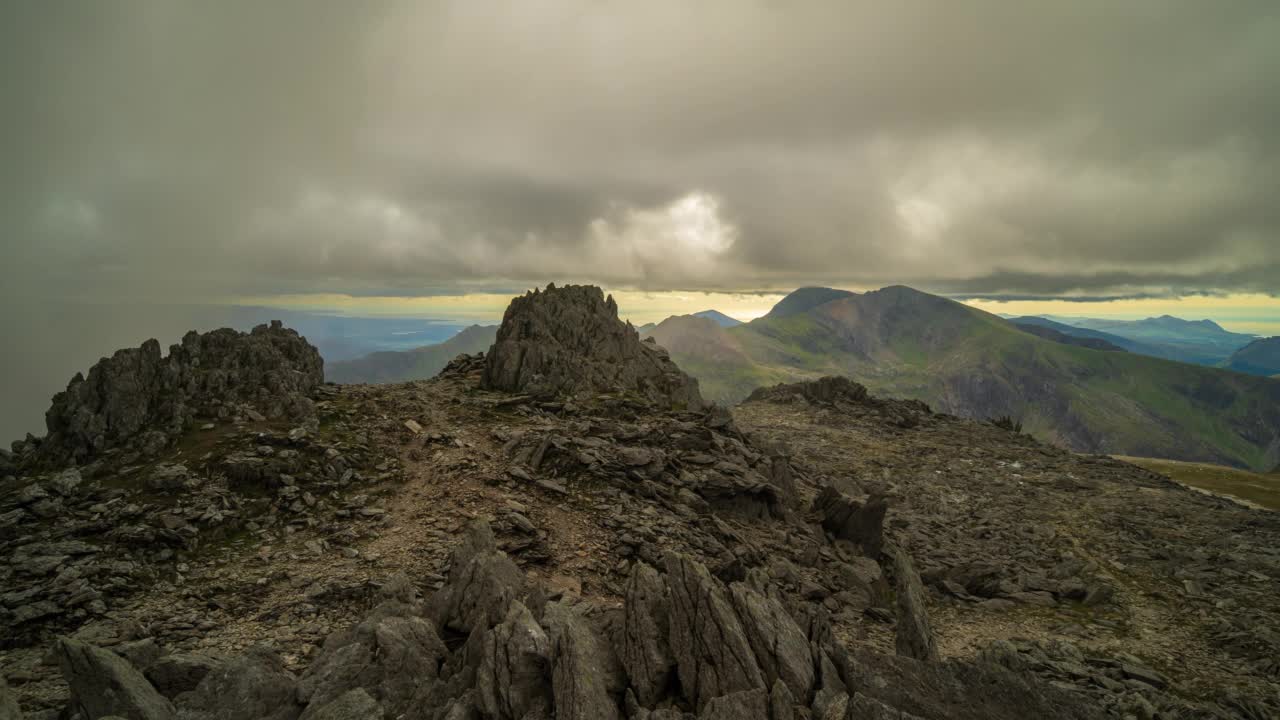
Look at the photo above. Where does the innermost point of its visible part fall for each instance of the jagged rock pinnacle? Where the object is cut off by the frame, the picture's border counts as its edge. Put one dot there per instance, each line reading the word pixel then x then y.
pixel 569 341
pixel 137 392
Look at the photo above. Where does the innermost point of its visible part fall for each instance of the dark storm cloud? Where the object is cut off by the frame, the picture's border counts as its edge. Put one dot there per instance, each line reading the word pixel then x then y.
pixel 156 148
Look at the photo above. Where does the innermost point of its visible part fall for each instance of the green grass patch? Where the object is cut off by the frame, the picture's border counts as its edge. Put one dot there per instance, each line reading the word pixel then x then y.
pixel 1262 489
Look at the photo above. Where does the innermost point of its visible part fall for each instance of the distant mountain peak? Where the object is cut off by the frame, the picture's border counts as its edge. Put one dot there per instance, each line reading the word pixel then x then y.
pixel 804 299
pixel 718 317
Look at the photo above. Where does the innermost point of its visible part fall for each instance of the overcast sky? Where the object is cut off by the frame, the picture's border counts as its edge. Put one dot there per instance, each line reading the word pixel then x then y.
pixel 157 149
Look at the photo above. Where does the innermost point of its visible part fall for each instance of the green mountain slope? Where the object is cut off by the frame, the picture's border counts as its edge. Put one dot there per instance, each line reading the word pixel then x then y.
pixel 415 364
pixel 1260 357
pixel 902 342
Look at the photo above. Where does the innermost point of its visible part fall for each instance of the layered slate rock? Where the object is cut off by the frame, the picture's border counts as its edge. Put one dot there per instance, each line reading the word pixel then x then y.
pixel 713 655
pixel 512 681
pixel 482 582
pixel 780 647
pixel 586 676
pixel 913 636
pixel 272 369
pixel 847 519
pixel 103 683
pixel 569 342
pixel 645 651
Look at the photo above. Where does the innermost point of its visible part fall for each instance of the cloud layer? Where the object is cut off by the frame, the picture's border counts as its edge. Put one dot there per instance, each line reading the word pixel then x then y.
pixel 157 148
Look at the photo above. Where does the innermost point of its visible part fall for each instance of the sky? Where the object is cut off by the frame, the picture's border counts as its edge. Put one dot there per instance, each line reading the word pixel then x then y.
pixel 158 149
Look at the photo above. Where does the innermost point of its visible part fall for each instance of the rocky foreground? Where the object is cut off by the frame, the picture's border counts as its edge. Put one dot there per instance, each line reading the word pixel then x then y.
pixel 559 528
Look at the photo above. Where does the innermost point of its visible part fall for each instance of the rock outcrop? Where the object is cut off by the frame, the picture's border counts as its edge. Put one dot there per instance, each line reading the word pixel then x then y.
pixel 103 683
pixel 139 398
pixel 738 651
pixel 569 342
pixel 914 637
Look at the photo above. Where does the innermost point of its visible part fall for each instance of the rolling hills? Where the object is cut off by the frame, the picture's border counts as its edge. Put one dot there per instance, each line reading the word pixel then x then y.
pixel 1202 342
pixel 1124 343
pixel 905 343
pixel 1057 336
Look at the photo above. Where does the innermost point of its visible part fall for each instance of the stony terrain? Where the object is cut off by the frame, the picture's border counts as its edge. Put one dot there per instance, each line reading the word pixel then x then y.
pixel 437 549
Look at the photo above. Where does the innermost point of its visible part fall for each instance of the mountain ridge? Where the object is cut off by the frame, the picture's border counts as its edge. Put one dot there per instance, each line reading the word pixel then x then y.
pixel 1260 357
pixel 902 342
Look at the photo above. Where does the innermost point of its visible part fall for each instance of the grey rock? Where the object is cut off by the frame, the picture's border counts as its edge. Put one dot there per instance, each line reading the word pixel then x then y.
pixel 140 653
pixel 780 647
pixel 387 656
pixel 826 390
pixel 737 706
pixel 782 706
pixel 848 519
pixel 913 636
pixel 482 582
pixel 352 705
pixel 103 683
pixel 253 686
pixel 169 476
pixel 138 389
pixel 585 673
pixel 180 672
pixel 646 654
pixel 569 342
pixel 9 709
pixel 512 678
pixel 713 655
pixel 954 690
pixel 865 708
pixel 66 482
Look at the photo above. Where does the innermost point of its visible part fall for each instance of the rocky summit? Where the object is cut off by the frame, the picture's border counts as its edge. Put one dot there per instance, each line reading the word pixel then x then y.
pixel 136 396
pixel 560 528
pixel 568 341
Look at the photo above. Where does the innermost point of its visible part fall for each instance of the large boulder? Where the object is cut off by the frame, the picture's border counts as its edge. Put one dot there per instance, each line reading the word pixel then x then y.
pixel 780 647
pixel 102 683
pixel 388 657
pixel 646 655
pixel 585 673
pixel 569 341
pixel 712 652
pixel 253 686
pixel 181 672
pixel 482 582
pixel 512 680
pixel 272 369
